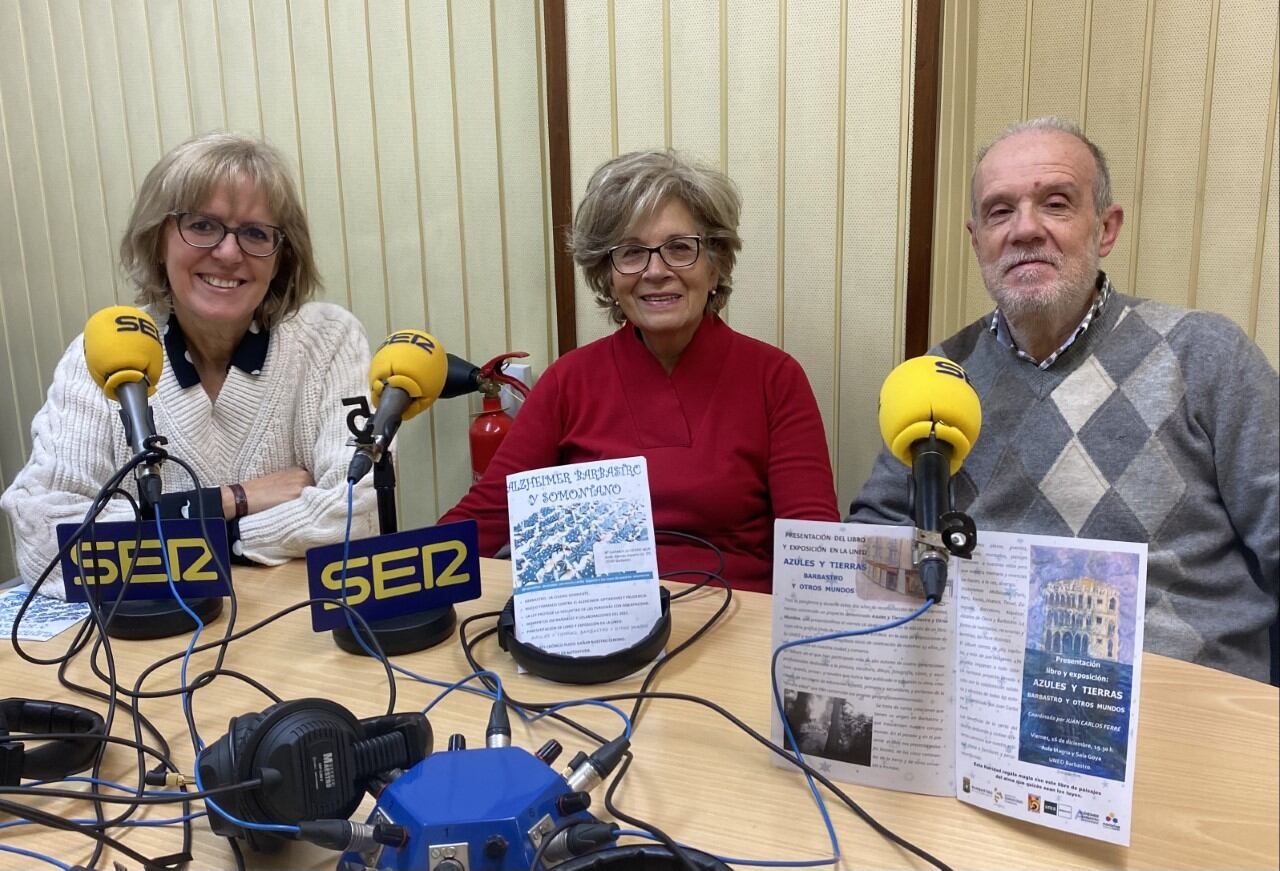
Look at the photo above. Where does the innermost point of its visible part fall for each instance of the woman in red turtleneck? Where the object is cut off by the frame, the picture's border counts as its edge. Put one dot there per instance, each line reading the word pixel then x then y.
pixel 728 424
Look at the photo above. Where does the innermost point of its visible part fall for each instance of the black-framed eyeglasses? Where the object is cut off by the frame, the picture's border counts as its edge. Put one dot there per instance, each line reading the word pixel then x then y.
pixel 202 231
pixel 678 253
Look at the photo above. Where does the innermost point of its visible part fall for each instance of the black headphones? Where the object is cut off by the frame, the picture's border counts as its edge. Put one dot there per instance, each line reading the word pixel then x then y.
pixel 641 857
pixel 314 759
pixel 585 669
pixel 54 758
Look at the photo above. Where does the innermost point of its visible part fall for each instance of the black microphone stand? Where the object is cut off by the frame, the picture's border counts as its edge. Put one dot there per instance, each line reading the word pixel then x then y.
pixel 404 633
pixel 162 616
pixel 384 485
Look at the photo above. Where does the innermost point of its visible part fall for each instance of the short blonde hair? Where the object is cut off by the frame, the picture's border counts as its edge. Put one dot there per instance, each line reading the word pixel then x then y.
pixel 183 181
pixel 632 188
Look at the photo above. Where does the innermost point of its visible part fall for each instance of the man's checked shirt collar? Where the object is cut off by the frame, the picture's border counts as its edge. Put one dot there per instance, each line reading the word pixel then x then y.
pixel 1000 327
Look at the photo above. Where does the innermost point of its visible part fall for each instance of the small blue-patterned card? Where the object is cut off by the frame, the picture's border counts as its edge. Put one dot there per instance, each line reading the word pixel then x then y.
pixel 45 618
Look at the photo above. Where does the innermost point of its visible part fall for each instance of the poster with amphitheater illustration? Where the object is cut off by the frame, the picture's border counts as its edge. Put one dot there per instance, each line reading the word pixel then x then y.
pixel 584 565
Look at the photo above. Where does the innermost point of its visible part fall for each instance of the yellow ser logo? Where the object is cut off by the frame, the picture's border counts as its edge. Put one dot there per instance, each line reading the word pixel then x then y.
pixel 395 573
pixel 104 563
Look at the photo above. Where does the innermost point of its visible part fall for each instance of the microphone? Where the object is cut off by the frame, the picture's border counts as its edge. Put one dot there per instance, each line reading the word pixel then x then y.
pixel 406 376
pixel 930 417
pixel 124 356
pixel 462 377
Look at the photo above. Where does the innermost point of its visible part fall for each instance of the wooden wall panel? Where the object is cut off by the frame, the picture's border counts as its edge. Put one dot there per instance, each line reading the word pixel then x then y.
pixel 1180 95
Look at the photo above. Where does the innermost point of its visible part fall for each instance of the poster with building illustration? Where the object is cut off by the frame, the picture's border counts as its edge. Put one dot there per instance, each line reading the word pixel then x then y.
pixel 1048 678
pixel 1077 675
pixel 1018 692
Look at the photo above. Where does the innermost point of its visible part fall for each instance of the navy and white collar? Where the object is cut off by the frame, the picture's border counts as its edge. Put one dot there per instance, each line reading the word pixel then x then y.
pixel 249 355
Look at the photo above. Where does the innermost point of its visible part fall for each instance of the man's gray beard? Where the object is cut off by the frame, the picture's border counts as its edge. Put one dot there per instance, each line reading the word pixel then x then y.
pixel 1066 295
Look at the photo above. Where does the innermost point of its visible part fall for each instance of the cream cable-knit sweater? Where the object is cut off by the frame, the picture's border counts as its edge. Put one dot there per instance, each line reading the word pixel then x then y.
pixel 289 415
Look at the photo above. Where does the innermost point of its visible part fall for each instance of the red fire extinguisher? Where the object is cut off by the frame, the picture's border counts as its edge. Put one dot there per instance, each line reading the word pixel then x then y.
pixel 493 423
pixel 486 433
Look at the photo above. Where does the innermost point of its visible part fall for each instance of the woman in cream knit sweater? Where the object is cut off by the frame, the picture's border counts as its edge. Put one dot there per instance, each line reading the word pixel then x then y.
pixel 250 394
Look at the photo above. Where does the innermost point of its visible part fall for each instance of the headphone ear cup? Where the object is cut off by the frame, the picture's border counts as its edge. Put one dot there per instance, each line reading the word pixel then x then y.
pixel 219 762
pixel 238 732
pixel 54 758
pixel 287 738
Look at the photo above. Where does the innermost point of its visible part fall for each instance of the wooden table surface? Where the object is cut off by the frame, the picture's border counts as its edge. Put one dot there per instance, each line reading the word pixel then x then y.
pixel 1206 792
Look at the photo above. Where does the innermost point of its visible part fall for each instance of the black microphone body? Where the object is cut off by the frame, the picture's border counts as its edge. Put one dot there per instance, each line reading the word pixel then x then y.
pixel 931 499
pixel 139 426
pixel 382 426
pixel 461 377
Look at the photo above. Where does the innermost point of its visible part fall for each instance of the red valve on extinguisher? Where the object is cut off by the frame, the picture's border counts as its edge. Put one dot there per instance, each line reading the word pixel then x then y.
pixel 493 423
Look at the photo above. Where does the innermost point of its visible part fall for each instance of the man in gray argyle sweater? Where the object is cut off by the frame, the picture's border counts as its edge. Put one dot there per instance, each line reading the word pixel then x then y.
pixel 1107 416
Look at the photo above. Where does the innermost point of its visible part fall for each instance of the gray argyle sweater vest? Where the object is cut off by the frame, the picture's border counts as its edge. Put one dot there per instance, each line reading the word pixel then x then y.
pixel 1158 424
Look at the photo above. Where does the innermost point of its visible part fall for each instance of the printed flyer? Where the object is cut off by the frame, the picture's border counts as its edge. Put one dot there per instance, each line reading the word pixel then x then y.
pixel 584 563
pixel 46 617
pixel 1018 693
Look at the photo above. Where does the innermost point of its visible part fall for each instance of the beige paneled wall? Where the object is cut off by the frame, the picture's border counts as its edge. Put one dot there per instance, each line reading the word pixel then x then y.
pixel 1180 94
pixel 416 129
pixel 806 105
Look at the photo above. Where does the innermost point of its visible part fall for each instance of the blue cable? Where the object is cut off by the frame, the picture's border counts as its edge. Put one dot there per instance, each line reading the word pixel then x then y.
pixel 88 821
pixel 261 827
pixel 99 782
pixel 786 726
pixel 448 687
pixel 579 702
pixel 460 685
pixel 729 860
pixel 32 854
pixel 195 636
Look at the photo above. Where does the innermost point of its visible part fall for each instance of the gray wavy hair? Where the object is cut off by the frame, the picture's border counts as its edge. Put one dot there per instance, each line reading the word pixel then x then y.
pixel 630 189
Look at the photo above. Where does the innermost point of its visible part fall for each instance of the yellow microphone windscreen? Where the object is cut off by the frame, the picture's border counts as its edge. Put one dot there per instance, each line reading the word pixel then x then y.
pixel 929 393
pixel 121 345
pixel 415 362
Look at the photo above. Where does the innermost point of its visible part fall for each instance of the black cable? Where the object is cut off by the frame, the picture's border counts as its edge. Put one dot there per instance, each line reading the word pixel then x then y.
pixel 93 595
pixel 468 652
pixel 164 752
pixel 93 599
pixel 97 504
pixel 667 841
pixel 264 622
pixel 54 821
pixel 547 838
pixel 237 853
pixel 817 775
pixel 696 539
pixel 96 828
pixel 47 792
pixel 701 630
